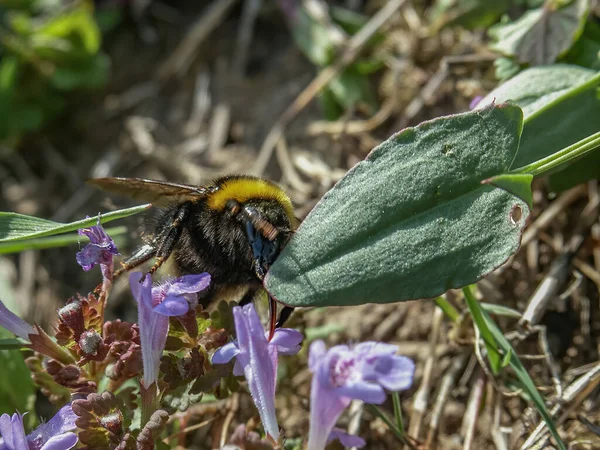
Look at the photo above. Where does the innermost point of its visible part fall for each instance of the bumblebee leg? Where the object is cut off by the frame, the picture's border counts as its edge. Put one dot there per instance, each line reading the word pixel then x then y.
pixel 145 253
pixel 167 238
pixel 284 315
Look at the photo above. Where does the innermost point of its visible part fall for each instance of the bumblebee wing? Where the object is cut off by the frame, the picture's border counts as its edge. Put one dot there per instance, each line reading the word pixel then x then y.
pixel 159 193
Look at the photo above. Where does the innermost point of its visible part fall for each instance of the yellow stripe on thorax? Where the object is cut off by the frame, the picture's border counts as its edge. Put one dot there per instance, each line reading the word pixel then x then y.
pixel 243 189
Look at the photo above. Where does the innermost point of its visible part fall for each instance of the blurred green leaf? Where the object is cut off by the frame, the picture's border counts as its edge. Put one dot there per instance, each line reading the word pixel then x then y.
pixel 10 344
pixel 312 38
pixel 350 88
pixel 586 51
pixel 93 73
pixel 77 25
pixel 541 35
pixel 17 392
pixel 410 221
pixel 506 68
pixel 18 227
pixel 470 14
pixel 561 106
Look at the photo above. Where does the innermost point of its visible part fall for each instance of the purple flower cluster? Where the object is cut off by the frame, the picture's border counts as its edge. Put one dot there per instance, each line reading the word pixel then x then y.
pixel 341 374
pixel 100 249
pixel 56 434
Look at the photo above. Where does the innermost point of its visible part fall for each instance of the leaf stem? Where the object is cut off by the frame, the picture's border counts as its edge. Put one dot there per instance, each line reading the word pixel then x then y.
pixel 447 308
pixel 561 157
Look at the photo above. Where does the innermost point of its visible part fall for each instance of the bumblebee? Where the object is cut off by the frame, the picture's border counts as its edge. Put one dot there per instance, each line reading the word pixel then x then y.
pixel 234 229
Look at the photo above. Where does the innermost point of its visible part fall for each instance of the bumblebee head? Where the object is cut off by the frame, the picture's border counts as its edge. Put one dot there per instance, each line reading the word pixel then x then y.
pixel 267 228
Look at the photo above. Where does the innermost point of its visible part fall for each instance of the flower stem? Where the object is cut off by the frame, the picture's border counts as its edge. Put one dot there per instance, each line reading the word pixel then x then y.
pixel 561 157
pixel 398 412
pixel 390 424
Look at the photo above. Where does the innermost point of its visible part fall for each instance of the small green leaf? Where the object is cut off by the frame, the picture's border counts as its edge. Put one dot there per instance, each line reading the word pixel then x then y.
pixel 561 107
pixel 16 227
pixel 541 35
pixel 500 310
pixel 516 184
pixel 410 221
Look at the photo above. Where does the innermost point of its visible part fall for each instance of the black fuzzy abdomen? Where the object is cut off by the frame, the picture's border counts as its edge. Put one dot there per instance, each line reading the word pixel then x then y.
pixel 214 242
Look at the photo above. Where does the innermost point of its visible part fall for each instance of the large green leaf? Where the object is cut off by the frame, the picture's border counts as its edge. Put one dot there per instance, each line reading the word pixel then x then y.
pixel 561 106
pixel 412 220
pixel 16 227
pixel 541 35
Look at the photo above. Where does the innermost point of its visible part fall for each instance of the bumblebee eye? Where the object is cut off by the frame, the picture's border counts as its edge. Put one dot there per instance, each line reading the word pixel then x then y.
pixel 233 207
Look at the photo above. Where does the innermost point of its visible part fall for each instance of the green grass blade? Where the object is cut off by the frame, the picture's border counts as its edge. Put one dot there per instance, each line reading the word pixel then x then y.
pixel 493 354
pixel 17 227
pixel 52 241
pixel 484 321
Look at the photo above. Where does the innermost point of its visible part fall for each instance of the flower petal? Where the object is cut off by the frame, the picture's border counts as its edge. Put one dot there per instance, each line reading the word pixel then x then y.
pixel 62 422
pixel 395 373
pixel 372 348
pixel 64 441
pixel 325 409
pixel 316 352
pixel 238 369
pixel 287 341
pixel 361 390
pixel 188 284
pixel 172 306
pixel 259 365
pixel 14 323
pixel 346 439
pixel 153 327
pixel 12 432
pixel 225 354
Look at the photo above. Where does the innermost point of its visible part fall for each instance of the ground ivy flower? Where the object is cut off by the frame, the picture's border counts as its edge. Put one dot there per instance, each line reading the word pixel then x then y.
pixel 14 323
pixel 155 305
pixel 346 439
pixel 256 359
pixel 343 373
pixel 56 434
pixel 100 250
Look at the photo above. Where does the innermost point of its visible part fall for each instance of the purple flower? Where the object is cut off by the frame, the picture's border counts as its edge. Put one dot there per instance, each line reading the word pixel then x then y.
pixel 256 359
pixel 14 323
pixel 347 440
pixel 476 100
pixel 100 250
pixel 342 374
pixel 57 434
pixel 155 306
